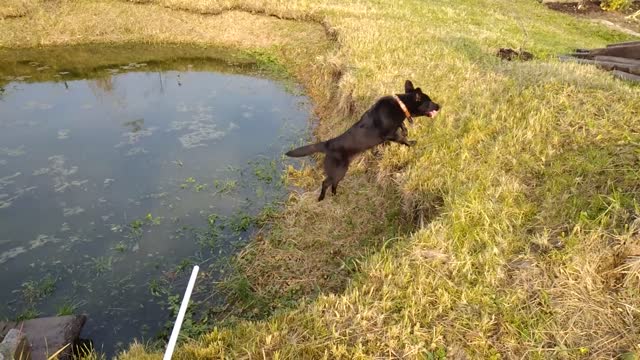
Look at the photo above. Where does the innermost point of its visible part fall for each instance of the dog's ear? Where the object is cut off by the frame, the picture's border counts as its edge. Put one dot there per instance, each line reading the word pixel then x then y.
pixel 408 86
pixel 418 93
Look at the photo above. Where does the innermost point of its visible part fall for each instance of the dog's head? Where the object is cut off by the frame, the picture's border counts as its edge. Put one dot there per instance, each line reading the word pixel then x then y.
pixel 420 104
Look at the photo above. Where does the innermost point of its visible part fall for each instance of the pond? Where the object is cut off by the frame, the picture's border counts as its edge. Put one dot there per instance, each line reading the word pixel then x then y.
pixel 108 175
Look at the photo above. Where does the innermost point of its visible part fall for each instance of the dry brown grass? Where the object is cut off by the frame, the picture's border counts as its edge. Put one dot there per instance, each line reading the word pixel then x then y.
pixel 314 247
pixel 17 8
pixel 68 23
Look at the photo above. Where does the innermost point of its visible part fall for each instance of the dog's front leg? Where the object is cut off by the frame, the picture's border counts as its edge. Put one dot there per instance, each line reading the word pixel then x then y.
pixel 403 129
pixel 400 137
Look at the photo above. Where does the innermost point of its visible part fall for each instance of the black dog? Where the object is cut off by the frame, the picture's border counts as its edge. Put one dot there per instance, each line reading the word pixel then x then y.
pixel 379 124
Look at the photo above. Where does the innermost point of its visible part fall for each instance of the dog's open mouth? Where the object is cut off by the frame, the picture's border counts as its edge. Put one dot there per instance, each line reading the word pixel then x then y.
pixel 432 113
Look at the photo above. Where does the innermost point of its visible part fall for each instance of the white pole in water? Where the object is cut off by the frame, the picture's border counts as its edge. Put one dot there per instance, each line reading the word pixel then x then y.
pixel 183 309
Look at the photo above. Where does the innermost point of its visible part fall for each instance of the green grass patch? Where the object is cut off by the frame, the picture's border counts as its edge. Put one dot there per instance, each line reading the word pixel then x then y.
pixel 36 290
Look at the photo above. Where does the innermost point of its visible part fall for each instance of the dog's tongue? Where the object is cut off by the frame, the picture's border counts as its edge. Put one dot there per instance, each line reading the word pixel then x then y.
pixel 433 113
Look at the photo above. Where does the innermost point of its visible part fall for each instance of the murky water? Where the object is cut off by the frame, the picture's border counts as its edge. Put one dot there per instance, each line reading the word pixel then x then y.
pixel 102 182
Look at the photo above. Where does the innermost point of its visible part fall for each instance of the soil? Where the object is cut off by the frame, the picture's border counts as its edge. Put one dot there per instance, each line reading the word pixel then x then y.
pixel 592 10
pixel 510 54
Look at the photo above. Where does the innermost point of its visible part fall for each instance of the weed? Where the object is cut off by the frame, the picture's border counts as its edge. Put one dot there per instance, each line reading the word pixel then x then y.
pixel 184 264
pixel 212 220
pixel 188 182
pixel 136 227
pixel 86 351
pixel 28 314
pixel 268 213
pixel 136 224
pixel 616 5
pixel 67 308
pixel 269 63
pixel 265 171
pixel 120 247
pixel 156 287
pixel 240 222
pixel 102 264
pixel 33 291
pixel 225 187
pixel 153 220
pixel 439 354
pixel 191 328
pixel 209 237
pixel 238 290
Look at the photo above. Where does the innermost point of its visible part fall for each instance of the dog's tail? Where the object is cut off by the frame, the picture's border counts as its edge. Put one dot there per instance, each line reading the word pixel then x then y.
pixel 306 150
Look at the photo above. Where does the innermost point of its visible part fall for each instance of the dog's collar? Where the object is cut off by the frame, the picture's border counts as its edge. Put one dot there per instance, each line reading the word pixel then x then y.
pixel 404 108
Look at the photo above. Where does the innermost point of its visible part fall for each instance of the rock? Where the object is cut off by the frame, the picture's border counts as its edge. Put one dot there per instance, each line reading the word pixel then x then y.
pixel 48 335
pixel 15 346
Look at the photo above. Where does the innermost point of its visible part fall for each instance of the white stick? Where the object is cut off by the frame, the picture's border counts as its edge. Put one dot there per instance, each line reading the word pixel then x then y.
pixel 183 309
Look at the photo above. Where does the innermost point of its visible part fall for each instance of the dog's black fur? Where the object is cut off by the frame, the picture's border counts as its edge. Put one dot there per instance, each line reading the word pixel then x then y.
pixel 383 122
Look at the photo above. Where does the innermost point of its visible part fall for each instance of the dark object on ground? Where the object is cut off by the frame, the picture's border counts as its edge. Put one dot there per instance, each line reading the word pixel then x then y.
pixel 48 335
pixel 623 59
pixel 382 122
pixel 510 54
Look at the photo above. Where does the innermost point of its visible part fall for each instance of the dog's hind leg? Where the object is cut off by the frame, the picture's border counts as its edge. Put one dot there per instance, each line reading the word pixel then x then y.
pixel 325 185
pixel 337 175
pixel 334 169
pixel 330 163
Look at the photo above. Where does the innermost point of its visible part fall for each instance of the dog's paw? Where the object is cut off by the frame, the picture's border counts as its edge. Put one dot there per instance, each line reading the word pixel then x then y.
pixel 411 143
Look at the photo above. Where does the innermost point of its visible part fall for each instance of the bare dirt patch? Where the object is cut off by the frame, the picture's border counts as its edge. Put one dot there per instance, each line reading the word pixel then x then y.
pixel 593 11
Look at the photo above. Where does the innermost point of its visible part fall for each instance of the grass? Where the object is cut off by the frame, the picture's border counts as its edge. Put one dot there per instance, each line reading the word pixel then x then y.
pixel 225 187
pixel 94 61
pixel 28 314
pixel 16 8
pixel 509 231
pixel 68 308
pixel 240 222
pixel 266 172
pixel 86 352
pixel 102 264
pixel 33 290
